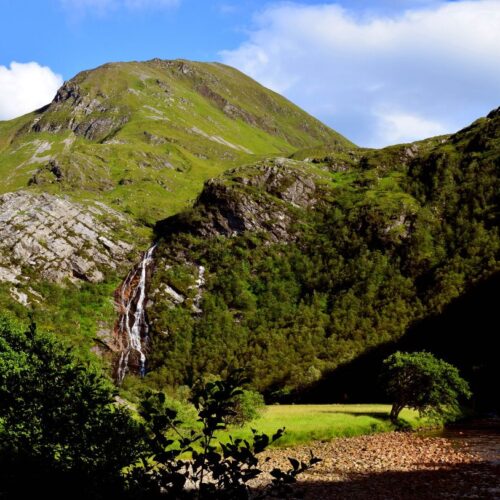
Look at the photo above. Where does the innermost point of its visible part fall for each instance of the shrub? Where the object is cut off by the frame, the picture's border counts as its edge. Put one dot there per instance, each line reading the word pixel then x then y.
pixel 60 427
pixel 196 465
pixel 247 406
pixel 62 434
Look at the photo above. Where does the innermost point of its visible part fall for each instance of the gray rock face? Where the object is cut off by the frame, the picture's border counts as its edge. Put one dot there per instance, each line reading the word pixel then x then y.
pixel 229 211
pixel 235 207
pixel 91 117
pixel 266 198
pixel 55 239
pixel 280 179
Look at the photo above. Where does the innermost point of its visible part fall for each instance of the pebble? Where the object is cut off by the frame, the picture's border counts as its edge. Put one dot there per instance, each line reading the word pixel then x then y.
pixel 393 465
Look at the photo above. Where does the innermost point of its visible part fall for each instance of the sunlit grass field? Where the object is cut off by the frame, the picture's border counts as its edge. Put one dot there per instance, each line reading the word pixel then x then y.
pixel 306 423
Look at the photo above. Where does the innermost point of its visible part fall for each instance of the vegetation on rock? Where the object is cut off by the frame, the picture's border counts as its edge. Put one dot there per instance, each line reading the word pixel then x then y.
pixel 306 267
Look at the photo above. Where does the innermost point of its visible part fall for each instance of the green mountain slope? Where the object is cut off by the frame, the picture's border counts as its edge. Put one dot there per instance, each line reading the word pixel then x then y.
pixel 119 148
pixel 282 247
pixel 143 137
pixel 310 263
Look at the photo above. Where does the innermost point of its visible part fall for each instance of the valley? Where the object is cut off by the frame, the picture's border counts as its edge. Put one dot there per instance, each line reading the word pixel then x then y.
pixel 277 242
pixel 249 250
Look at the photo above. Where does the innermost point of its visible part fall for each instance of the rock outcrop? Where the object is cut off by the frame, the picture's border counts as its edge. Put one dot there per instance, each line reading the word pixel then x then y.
pixel 54 239
pixel 258 198
pixel 92 117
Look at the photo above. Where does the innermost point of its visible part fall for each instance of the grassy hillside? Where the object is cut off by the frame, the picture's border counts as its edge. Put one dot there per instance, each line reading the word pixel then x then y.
pixel 284 249
pixel 143 137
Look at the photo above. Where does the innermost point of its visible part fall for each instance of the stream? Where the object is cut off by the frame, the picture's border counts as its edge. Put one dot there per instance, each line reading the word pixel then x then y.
pixel 132 326
pixel 481 437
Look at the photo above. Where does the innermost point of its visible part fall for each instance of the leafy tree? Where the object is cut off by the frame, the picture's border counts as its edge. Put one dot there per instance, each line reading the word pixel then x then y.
pixel 422 382
pixel 60 427
pixel 247 407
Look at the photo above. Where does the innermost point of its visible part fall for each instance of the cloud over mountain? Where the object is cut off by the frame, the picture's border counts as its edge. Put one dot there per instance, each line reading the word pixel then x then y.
pixel 25 87
pixel 380 77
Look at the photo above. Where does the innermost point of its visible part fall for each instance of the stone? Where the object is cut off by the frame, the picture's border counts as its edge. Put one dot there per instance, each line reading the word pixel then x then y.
pixel 56 239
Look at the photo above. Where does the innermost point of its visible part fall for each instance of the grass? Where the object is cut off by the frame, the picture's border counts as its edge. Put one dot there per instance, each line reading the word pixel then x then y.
pixel 75 314
pixel 306 423
pixel 151 179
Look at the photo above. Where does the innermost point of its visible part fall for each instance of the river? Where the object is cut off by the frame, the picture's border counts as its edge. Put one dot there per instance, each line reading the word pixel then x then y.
pixel 481 437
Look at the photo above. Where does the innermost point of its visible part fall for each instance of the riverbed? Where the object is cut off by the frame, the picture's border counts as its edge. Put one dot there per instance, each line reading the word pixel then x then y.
pixel 462 462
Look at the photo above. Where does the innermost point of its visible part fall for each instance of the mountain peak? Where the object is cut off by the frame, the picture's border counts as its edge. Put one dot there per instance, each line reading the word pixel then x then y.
pixel 145 136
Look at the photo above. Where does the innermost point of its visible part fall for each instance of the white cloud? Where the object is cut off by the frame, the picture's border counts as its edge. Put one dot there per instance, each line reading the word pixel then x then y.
pixel 396 128
pixel 25 87
pixel 372 75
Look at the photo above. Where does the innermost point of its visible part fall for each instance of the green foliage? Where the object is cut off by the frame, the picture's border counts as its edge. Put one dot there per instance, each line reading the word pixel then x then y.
pixel 420 381
pixel 60 427
pixel 76 314
pixel 248 406
pixel 62 433
pixel 216 469
pixel 391 240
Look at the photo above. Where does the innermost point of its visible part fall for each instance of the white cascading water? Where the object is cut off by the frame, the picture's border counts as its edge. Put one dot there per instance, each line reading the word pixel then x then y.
pixel 200 282
pixel 134 334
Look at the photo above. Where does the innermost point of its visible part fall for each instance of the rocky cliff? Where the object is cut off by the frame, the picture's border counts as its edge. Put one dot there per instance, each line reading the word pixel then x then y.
pixel 45 237
pixel 310 263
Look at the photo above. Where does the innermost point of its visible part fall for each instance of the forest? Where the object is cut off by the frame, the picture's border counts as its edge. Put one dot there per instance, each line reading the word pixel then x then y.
pixel 373 251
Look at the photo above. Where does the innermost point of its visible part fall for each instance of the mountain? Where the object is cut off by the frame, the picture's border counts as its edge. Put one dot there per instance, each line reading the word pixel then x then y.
pixel 119 148
pixel 274 244
pixel 143 137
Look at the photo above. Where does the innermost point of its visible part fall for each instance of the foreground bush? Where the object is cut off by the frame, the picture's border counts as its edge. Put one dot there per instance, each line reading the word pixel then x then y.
pixel 197 464
pixel 60 429
pixel 62 434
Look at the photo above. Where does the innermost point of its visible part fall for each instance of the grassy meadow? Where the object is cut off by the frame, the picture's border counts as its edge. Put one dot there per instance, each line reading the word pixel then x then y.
pixel 306 423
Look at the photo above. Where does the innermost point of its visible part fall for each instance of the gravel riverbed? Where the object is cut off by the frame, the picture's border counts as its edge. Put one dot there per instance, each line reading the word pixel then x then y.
pixel 394 465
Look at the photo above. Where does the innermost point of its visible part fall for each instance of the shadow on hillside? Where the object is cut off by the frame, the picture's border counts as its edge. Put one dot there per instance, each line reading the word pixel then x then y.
pixel 464 334
pixel 478 480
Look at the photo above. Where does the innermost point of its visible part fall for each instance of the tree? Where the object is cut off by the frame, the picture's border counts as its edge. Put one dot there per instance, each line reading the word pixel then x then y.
pixel 422 382
pixel 60 427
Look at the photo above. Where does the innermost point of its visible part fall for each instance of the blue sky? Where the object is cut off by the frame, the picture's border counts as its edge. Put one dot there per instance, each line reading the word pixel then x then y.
pixel 378 71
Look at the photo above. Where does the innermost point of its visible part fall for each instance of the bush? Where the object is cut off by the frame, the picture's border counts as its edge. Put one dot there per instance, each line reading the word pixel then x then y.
pixel 62 434
pixel 60 427
pixel 247 406
pixel 215 470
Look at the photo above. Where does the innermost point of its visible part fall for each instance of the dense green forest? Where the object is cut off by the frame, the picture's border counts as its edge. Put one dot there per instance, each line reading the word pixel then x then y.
pixel 311 263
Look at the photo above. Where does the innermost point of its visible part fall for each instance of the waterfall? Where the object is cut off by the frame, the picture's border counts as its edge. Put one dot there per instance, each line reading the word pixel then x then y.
pixel 132 325
pixel 200 282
